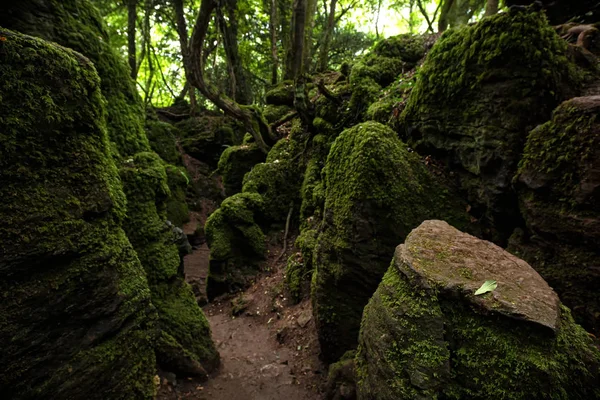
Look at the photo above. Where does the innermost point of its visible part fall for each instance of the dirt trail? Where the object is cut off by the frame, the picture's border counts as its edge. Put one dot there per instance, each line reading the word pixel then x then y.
pixel 268 352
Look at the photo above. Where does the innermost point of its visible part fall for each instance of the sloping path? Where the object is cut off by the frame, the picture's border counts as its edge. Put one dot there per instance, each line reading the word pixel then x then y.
pixel 268 352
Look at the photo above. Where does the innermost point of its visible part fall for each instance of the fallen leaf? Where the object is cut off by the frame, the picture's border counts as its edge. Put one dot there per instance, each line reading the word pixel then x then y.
pixel 488 286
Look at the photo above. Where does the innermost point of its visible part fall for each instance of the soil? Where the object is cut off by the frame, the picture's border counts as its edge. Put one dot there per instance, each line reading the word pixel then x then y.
pixel 269 349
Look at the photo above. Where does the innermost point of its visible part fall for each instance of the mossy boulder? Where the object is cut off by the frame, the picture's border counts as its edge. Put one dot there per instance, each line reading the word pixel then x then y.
pixel 77 24
pixel 274 113
pixel 481 89
pixel 281 95
pixel 235 163
pixel 425 334
pixel 376 191
pixel 185 334
pixel 236 242
pixel 178 181
pixel 558 183
pixel 162 137
pixel 206 137
pixel 277 180
pixel 76 315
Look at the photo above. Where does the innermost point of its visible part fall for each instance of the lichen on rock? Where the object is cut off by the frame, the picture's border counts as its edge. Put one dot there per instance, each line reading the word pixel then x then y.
pixel 425 334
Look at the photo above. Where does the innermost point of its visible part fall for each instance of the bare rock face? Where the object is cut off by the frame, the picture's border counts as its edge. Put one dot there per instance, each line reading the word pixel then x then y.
pixel 425 334
pixel 440 256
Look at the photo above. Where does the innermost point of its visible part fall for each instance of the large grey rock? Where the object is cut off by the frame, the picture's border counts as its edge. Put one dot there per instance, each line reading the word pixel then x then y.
pixel 426 335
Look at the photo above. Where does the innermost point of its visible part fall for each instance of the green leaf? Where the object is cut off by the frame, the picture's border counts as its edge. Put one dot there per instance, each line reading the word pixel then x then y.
pixel 488 286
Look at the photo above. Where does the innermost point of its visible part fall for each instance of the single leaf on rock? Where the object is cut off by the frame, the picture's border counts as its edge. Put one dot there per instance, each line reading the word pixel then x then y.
pixel 488 286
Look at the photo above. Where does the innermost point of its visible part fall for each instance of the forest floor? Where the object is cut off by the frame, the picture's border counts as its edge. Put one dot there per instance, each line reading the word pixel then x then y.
pixel 269 351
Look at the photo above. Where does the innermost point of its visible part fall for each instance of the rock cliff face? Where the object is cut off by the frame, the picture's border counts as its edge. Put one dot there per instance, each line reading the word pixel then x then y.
pixel 77 321
pixel 376 191
pixel 480 91
pixel 559 194
pixel 425 334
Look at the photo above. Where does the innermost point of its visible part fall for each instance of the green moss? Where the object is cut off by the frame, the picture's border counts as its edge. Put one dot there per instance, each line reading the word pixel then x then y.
pixel 480 89
pixel 281 95
pixel 206 137
pixel 182 319
pixel 235 163
pixel 145 183
pixel 76 319
pixel 437 346
pixel 178 182
pixel 162 137
pixel 276 180
pixel 409 48
pixel 376 193
pixel 274 113
pixel 78 25
pixel 236 242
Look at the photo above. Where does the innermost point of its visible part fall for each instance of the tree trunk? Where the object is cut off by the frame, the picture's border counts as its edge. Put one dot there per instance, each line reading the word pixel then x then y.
pixel 298 30
pixel 253 121
pixel 309 24
pixel 443 21
pixel 273 23
pixel 132 50
pixel 229 28
pixel 491 7
pixel 324 54
pixel 185 52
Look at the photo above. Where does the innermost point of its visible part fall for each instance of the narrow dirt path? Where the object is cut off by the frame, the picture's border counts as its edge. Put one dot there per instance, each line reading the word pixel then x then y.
pixel 269 350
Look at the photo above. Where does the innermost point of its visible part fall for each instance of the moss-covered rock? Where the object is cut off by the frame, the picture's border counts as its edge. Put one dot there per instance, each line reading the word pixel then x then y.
pixel 206 137
pixel 479 92
pixel 376 192
pixel 78 25
pixel 558 183
pixel 277 180
pixel 425 334
pixel 235 163
pixel 162 138
pixel 178 182
pixel 180 319
pixel 275 113
pixel 299 266
pixel 76 315
pixel 281 95
pixel 236 242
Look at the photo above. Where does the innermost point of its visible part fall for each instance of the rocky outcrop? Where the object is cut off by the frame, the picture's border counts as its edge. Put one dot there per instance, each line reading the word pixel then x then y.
pixel 376 191
pixel 559 191
pixel 480 91
pixel 77 322
pixel 185 345
pixel 426 334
